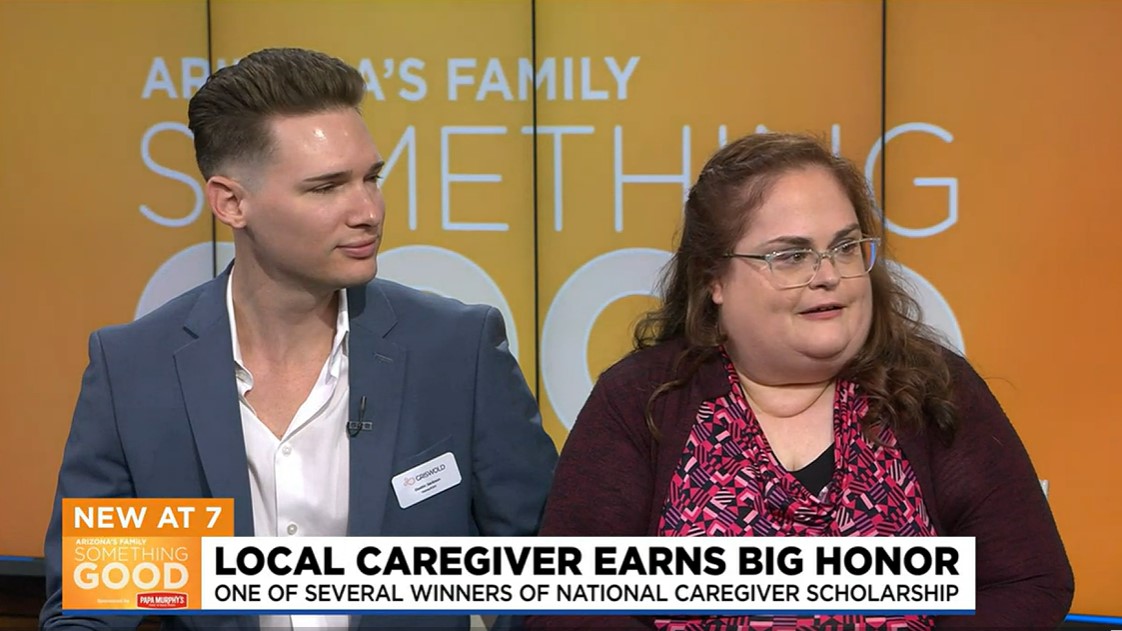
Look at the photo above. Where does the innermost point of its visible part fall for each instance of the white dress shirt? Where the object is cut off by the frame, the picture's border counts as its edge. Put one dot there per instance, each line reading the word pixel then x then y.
pixel 299 483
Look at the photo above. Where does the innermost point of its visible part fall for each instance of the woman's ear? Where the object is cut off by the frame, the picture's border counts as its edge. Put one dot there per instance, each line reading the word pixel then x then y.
pixel 716 292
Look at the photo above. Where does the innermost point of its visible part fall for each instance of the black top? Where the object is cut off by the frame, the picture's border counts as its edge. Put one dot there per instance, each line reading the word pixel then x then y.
pixel 816 475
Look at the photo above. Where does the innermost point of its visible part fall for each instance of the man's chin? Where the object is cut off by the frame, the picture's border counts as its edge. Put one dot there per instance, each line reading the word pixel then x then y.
pixel 356 277
pixel 357 281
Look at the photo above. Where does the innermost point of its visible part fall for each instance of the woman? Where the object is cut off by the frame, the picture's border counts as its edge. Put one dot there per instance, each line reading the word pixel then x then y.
pixel 786 364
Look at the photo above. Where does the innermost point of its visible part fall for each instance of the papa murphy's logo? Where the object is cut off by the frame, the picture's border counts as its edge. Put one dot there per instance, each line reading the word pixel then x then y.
pixel 161 600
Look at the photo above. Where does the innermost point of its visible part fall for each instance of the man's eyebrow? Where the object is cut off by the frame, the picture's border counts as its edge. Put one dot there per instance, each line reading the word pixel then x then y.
pixel 335 176
pixel 327 177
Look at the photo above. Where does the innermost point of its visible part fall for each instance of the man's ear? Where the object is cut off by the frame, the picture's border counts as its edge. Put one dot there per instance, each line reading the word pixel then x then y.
pixel 226 198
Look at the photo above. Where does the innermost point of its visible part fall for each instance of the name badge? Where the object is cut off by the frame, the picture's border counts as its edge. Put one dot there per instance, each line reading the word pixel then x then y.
pixel 426 480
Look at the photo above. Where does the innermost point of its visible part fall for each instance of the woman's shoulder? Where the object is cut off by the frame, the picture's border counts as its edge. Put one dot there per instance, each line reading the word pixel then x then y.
pixel 977 413
pixel 966 381
pixel 646 367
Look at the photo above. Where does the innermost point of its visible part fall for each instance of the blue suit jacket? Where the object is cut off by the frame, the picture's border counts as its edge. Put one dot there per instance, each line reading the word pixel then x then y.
pixel 158 416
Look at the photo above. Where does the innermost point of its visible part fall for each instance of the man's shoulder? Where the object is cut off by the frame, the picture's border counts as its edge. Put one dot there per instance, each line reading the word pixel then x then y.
pixel 409 303
pixel 166 319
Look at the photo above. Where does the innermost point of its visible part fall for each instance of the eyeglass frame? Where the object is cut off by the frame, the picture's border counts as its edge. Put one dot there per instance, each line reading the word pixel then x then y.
pixel 828 253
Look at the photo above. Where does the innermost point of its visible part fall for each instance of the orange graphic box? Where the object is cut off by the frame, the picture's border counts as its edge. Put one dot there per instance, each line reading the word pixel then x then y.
pixel 137 554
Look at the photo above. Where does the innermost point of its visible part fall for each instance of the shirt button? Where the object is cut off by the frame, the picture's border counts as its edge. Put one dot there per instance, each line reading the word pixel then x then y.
pixel 286 450
pixel 292 529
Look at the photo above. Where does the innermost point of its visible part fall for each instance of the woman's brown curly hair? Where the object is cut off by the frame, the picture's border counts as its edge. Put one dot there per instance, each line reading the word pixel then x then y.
pixel 900 368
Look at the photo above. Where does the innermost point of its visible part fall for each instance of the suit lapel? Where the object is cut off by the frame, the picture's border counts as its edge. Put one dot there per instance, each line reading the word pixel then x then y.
pixel 205 366
pixel 377 371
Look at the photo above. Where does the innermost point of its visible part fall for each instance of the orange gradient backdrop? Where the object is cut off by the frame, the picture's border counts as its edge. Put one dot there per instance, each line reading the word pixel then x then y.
pixel 996 178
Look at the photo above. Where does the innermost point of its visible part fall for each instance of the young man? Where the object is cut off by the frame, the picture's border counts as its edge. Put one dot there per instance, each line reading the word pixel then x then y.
pixel 250 385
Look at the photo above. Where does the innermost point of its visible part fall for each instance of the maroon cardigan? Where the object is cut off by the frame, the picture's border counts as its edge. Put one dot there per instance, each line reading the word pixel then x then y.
pixel 613 477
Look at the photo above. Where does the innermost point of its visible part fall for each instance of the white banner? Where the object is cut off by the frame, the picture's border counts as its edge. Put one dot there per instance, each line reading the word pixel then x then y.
pixel 571 575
